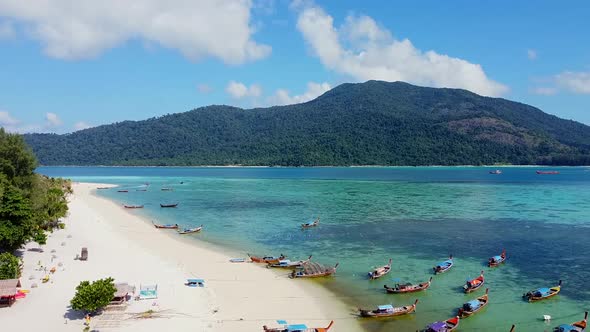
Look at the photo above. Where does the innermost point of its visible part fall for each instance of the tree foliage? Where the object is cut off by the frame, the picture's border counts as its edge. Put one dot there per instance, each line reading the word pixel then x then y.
pixel 91 297
pixel 10 266
pixel 372 123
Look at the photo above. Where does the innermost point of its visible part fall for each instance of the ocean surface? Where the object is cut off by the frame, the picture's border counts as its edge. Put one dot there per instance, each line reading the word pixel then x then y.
pixel 416 215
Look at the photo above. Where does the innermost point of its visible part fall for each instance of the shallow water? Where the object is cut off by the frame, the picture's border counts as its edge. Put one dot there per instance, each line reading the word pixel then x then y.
pixel 415 215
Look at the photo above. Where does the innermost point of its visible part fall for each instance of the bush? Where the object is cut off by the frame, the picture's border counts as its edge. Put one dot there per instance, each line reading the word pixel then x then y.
pixel 10 266
pixel 91 297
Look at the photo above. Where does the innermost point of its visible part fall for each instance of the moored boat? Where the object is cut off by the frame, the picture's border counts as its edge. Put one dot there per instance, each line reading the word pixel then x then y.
pixel 408 288
pixel 191 230
pixel 310 223
pixel 542 293
pixel 387 310
pixel 313 270
pixel 380 271
pixel 169 205
pixel 474 284
pixel 547 172
pixel 450 324
pixel 473 306
pixel 578 326
pixel 133 206
pixel 497 260
pixel 288 264
pixel 102 188
pixel 122 191
pixel 496 171
pixel 267 259
pixel 166 189
pixel 167 226
pixel 297 328
pixel 444 266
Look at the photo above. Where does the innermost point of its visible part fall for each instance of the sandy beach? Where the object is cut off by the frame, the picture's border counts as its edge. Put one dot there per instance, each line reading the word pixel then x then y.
pixel 236 296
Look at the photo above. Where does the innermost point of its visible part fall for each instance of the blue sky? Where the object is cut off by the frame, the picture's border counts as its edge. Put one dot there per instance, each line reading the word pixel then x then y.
pixel 65 67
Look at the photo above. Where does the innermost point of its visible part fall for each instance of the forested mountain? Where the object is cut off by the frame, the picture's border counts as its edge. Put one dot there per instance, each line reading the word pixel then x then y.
pixel 371 123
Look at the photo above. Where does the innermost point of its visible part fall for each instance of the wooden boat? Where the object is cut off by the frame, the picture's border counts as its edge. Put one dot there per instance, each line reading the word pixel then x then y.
pixel 297 328
pixel 547 172
pixel 287 264
pixel 408 288
pixel 140 189
pixel 578 326
pixel 450 324
pixel 168 226
pixel 191 230
pixel 313 270
pixel 497 260
pixel 122 191
pixel 102 188
pixel 542 293
pixel 512 328
pixel 380 271
pixel 387 310
pixel 311 224
pixel 443 267
pixel 267 259
pixel 168 205
pixel 133 206
pixel 474 284
pixel 166 189
pixel 496 171
pixel 473 306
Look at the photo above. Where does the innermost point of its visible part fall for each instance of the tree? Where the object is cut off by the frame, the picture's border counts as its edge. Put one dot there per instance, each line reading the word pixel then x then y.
pixel 10 266
pixel 91 297
pixel 16 219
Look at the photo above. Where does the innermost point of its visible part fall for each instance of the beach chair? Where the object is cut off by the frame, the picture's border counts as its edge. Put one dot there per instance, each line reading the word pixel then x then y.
pixel 84 254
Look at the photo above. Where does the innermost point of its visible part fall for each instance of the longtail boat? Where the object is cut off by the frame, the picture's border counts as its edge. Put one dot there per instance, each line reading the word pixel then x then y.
pixel 140 189
pixel 191 230
pixel 313 270
pixel 297 328
pixel 547 172
pixel 267 259
pixel 122 191
pixel 496 171
pixel 311 224
pixel 169 205
pixel 497 260
pixel 387 310
pixel 287 264
pixel 542 293
pixel 380 271
pixel 474 284
pixel 473 306
pixel 166 189
pixel 443 267
pixel 408 288
pixel 102 188
pixel 167 226
pixel 450 324
pixel 578 326
pixel 133 206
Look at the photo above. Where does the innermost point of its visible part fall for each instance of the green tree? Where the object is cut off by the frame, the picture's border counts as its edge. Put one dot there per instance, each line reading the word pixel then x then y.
pixel 16 219
pixel 10 266
pixel 91 297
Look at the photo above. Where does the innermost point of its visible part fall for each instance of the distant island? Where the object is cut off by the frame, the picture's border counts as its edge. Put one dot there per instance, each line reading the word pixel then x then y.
pixel 371 123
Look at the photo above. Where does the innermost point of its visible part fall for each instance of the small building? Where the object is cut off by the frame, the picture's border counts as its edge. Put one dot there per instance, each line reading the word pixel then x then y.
pixel 123 290
pixel 8 291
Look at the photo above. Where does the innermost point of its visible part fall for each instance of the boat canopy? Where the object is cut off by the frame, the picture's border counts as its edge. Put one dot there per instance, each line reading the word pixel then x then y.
pixel 542 292
pixel 296 327
pixel 438 327
pixel 444 264
pixel 497 258
pixel 385 307
pixel 471 305
pixel 566 328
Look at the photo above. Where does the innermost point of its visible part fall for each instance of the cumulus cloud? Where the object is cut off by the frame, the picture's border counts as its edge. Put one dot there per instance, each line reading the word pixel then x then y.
pixel 6 30
pixel 204 88
pixel 80 125
pixel 531 54
pixel 85 29
pixel 575 82
pixel 52 120
pixel 7 120
pixel 282 96
pixel 238 90
pixel 363 50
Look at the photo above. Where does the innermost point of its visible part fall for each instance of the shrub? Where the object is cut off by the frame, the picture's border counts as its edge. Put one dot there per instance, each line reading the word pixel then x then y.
pixel 91 297
pixel 10 266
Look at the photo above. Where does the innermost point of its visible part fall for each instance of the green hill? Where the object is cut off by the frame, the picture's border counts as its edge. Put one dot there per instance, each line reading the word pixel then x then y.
pixel 371 123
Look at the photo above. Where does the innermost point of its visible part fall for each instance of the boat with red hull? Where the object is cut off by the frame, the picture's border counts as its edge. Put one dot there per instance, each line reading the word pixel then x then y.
pixel 474 284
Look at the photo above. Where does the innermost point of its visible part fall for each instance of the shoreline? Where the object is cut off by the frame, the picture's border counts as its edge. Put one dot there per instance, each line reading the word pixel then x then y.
pixel 326 166
pixel 236 296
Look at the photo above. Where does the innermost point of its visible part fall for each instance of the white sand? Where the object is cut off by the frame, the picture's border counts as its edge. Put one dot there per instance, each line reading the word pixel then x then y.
pixel 237 296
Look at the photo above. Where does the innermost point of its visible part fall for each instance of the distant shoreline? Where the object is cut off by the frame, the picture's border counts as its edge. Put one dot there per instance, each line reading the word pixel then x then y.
pixel 329 166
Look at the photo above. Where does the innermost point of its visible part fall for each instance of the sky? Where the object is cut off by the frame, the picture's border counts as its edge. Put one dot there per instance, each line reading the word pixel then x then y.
pixel 67 65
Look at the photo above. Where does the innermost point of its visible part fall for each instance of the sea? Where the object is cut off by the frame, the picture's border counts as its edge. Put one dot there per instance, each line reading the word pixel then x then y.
pixel 417 216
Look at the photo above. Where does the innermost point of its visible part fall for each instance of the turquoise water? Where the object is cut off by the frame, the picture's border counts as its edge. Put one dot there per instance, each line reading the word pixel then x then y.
pixel 415 215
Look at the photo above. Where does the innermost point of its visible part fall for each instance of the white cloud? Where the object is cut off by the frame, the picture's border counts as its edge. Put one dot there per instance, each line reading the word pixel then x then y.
pixel 239 90
pixel 7 120
pixel 52 120
pixel 282 96
pixel 531 54
pixel 545 91
pixel 576 82
pixel 80 125
pixel 6 30
pixel 363 50
pixel 204 88
pixel 85 29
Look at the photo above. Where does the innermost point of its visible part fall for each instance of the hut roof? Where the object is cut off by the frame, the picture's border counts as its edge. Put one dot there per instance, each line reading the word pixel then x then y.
pixel 8 287
pixel 122 289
